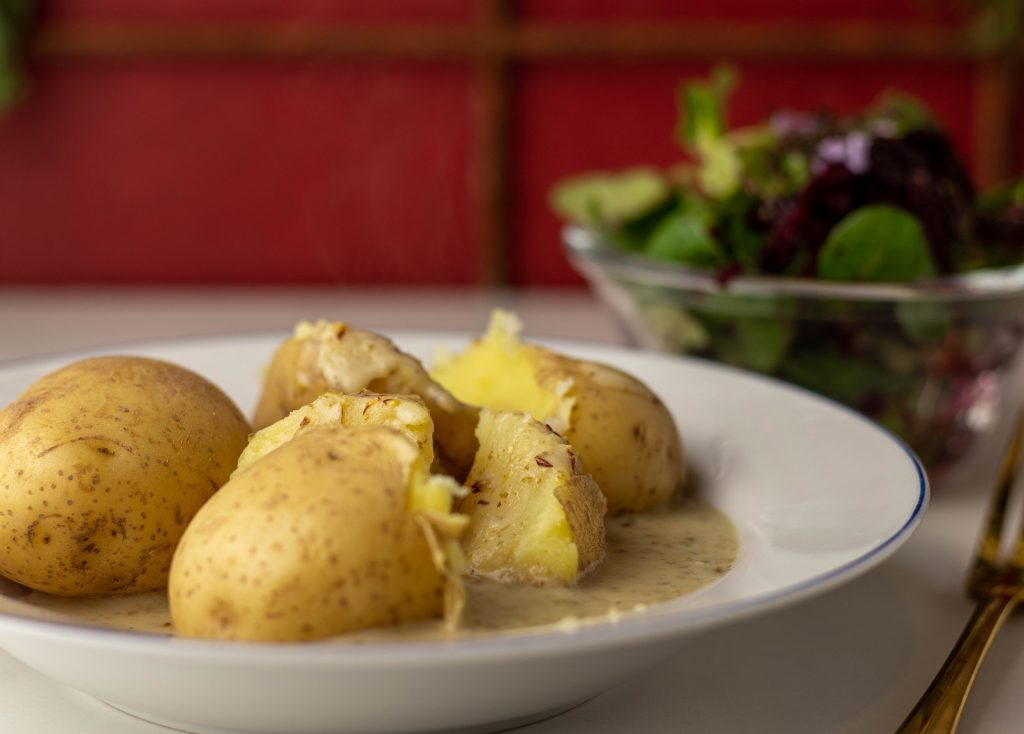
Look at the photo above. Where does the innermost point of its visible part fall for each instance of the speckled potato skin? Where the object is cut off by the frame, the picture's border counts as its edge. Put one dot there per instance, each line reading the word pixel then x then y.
pixel 282 392
pixel 623 433
pixel 310 541
pixel 102 465
pixel 294 378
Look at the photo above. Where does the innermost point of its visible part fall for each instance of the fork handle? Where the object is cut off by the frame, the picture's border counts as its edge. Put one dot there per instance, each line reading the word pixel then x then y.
pixel 941 705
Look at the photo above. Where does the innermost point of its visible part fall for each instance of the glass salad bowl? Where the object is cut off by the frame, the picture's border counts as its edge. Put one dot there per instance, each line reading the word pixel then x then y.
pixel 936 362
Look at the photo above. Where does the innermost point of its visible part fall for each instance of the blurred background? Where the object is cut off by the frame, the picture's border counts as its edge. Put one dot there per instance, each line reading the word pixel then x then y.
pixel 414 142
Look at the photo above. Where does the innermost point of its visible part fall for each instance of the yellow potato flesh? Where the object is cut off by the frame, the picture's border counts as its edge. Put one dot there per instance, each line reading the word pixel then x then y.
pixel 102 465
pixel 499 372
pixel 533 516
pixel 623 433
pixel 315 539
pixel 405 413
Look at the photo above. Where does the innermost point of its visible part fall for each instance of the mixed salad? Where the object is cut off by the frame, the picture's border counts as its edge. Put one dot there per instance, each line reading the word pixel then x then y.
pixel 879 197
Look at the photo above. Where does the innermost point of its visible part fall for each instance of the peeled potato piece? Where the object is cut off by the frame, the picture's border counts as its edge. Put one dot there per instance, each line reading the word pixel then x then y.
pixel 534 516
pixel 623 433
pixel 325 534
pixel 332 357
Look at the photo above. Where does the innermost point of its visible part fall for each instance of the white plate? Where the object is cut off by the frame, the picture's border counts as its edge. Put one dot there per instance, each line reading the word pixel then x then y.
pixel 818 495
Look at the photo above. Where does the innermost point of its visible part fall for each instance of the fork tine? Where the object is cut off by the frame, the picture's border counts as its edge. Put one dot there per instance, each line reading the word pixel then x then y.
pixel 1016 559
pixel 998 590
pixel 987 557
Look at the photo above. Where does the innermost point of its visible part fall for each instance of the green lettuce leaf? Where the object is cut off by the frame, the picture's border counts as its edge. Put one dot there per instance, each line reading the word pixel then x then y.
pixel 877 243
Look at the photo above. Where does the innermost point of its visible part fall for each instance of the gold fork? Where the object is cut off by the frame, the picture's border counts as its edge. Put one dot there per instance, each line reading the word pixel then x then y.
pixel 998 585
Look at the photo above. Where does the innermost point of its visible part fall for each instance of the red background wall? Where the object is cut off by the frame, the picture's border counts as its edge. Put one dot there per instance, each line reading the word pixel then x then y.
pixel 135 170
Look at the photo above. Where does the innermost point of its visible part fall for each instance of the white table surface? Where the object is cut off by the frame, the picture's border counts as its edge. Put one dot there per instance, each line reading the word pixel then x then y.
pixel 852 660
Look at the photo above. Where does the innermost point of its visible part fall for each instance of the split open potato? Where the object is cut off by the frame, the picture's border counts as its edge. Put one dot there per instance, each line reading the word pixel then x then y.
pixel 330 356
pixel 407 414
pixel 534 515
pixel 624 434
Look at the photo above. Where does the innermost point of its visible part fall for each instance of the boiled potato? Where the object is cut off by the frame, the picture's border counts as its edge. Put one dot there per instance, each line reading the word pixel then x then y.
pixel 534 516
pixel 623 433
pixel 405 413
pixel 102 465
pixel 332 357
pixel 336 530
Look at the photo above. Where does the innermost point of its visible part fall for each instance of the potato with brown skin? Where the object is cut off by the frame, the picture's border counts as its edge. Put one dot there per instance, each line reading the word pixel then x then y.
pixel 624 434
pixel 333 357
pixel 331 532
pixel 102 465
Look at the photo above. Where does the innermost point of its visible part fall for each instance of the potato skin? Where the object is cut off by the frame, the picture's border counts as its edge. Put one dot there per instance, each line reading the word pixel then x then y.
pixel 102 464
pixel 311 540
pixel 624 434
pixel 333 357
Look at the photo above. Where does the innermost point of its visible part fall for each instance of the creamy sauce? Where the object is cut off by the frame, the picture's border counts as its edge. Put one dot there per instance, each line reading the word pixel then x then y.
pixel 651 558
